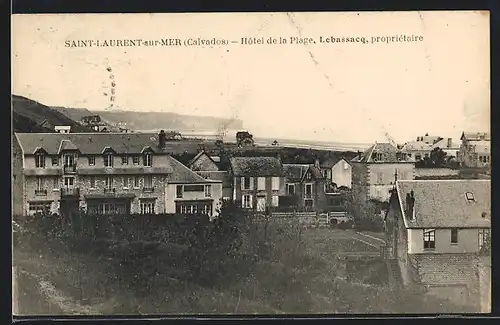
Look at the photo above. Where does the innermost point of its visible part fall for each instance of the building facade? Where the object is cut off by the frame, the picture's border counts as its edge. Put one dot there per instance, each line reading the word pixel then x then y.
pixel 373 174
pixel 304 187
pixel 435 232
pixel 258 182
pixel 101 173
pixel 475 150
pixel 337 171
pixel 208 167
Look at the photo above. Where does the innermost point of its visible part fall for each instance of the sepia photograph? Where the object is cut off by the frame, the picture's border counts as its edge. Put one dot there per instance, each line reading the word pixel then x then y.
pixel 277 163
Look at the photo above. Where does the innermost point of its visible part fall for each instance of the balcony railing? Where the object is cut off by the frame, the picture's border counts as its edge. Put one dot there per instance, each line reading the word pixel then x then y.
pixel 69 169
pixel 41 192
pixel 70 191
pixel 148 189
pixel 109 190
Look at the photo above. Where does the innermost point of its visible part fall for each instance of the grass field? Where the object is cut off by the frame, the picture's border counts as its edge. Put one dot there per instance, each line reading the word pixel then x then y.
pixel 303 280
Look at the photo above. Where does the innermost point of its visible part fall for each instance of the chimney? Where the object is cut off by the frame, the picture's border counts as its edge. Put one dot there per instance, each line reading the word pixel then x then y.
pixel 162 139
pixel 449 143
pixel 410 204
pixel 316 163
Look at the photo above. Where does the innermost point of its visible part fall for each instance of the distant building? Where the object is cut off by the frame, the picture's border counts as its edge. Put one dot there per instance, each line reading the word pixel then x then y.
pixel 304 186
pixel 208 167
pixel 244 139
pixel 373 176
pixel 62 128
pixel 337 171
pixel 435 230
pixel 423 146
pixel 475 150
pixel 258 182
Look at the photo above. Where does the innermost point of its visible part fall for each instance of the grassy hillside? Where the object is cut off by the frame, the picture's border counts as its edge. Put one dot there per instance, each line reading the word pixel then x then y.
pixel 31 116
pixel 168 121
pixel 154 120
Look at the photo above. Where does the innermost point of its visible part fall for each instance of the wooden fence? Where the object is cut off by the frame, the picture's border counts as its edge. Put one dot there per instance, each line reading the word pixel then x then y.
pixel 313 219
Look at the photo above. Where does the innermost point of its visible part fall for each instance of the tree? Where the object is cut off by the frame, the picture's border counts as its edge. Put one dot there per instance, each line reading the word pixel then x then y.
pixel 436 159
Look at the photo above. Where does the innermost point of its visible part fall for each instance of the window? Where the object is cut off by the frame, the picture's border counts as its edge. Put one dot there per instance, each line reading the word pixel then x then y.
pixel 108 160
pixel 429 239
pixel 454 236
pixel 136 181
pixel 469 196
pixel 194 209
pixel 55 161
pixel 39 183
pixel 124 160
pixel 206 209
pixel 55 184
pixel 290 189
pixel 148 181
pixel 41 207
pixel 426 155
pixel 92 181
pixel 484 235
pixel 69 160
pixel 246 183
pixel 179 191
pixel 418 157
pixel 247 201
pixel 208 190
pixel 275 201
pixel 194 188
pixel 183 209
pixel 108 208
pixel 379 156
pixel 346 165
pixel 148 160
pixel 308 176
pixel 91 161
pixel 148 206
pixel 308 192
pixel 109 182
pixel 135 160
pixel 308 203
pixel 261 183
pixel 40 160
pixel 380 178
pixel 275 183
pixel 69 181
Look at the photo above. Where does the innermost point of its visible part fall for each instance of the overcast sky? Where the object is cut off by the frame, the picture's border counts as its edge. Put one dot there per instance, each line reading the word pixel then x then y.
pixel 341 92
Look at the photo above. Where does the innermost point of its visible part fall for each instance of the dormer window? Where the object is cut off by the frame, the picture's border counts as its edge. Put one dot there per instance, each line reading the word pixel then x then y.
pixel 148 159
pixel 40 160
pixel 470 197
pixel 108 160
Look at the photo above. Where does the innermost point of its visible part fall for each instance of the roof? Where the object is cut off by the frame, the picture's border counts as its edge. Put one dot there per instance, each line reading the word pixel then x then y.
pixel 298 171
pixel 416 146
pixel 475 136
pixel 256 166
pixel 201 153
pixel 443 203
pixel 182 174
pixel 388 151
pixel 443 144
pixel 332 161
pixel 89 143
pixel 222 176
pixel 446 269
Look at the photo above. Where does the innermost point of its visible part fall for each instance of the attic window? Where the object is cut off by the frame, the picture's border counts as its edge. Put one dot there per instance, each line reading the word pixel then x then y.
pixel 470 196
